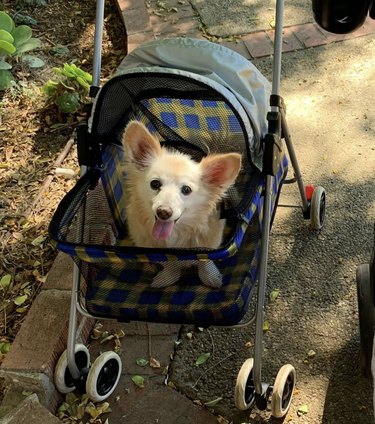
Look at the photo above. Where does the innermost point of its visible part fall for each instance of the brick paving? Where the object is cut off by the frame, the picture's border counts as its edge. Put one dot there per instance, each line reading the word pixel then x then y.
pixel 180 20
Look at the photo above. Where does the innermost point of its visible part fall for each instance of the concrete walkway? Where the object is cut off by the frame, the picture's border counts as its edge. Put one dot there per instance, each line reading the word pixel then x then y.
pixel 42 337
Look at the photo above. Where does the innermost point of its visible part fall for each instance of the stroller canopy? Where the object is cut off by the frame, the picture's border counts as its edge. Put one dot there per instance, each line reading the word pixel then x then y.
pixel 218 67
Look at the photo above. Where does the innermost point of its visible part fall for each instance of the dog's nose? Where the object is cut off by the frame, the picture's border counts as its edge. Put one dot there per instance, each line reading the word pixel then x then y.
pixel 164 213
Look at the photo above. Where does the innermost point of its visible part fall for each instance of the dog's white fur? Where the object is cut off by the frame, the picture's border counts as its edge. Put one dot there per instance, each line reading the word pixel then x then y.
pixel 182 212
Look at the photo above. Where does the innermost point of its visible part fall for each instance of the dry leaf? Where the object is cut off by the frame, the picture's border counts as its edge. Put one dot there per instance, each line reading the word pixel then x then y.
pixel 154 363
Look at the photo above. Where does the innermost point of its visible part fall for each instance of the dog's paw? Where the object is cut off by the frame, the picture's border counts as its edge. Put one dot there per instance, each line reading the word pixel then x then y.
pixel 166 277
pixel 210 275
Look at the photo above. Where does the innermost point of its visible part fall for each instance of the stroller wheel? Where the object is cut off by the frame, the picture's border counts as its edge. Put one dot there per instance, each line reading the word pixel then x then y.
pixel 244 392
pixel 366 317
pixel 62 377
pixel 318 208
pixel 103 376
pixel 283 391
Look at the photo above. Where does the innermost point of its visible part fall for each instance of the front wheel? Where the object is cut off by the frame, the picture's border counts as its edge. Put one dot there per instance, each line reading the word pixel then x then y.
pixel 103 376
pixel 318 208
pixel 244 392
pixel 283 391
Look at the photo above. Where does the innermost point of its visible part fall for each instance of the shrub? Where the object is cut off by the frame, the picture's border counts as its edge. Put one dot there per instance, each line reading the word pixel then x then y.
pixel 15 41
pixel 70 92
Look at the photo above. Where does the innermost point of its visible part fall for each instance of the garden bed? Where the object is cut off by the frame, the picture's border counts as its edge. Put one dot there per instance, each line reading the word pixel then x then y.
pixel 33 136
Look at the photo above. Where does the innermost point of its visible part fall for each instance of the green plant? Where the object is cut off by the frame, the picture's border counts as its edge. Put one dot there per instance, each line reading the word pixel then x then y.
pixel 70 92
pixel 15 41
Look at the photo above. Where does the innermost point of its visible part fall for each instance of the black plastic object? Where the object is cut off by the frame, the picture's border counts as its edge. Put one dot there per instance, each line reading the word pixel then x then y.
pixel 341 16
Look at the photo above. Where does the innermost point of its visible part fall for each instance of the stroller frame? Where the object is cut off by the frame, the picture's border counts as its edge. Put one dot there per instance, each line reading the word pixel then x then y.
pixel 249 389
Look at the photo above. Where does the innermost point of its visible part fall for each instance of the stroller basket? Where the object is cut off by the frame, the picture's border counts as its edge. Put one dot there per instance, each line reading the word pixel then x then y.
pixel 196 115
pixel 117 277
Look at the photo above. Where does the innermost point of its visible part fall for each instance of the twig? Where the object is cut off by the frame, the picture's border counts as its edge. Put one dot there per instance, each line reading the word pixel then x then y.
pixel 149 340
pixel 49 178
pixel 211 367
pixel 212 342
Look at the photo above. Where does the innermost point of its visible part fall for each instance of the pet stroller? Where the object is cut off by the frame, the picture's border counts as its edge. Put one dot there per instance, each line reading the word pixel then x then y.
pixel 194 96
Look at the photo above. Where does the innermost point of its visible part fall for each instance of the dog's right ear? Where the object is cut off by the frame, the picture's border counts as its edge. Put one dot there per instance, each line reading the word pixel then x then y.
pixel 140 145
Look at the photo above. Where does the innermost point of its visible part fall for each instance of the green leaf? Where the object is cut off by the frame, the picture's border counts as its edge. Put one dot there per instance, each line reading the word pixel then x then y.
pixel 6 36
pixel 274 295
pixel 21 35
pixel 49 88
pixel 141 362
pixel 32 61
pixel 4 65
pixel 19 300
pixel 68 102
pixel 6 79
pixel 302 410
pixel 7 47
pixel 38 241
pixel 202 358
pixel 59 51
pixel 5 281
pixel 6 22
pixel 33 43
pixel 139 381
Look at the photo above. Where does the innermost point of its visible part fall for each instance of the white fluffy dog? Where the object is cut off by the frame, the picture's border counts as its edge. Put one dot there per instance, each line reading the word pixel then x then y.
pixel 172 200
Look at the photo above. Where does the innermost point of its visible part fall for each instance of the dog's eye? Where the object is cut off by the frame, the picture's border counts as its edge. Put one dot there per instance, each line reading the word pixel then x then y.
pixel 155 184
pixel 186 190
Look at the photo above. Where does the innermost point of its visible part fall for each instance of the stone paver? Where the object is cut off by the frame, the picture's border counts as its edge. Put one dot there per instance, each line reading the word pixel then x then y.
pixel 155 403
pixel 30 411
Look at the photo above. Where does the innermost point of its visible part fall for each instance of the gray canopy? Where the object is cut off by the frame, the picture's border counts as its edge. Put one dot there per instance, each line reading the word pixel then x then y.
pixel 225 70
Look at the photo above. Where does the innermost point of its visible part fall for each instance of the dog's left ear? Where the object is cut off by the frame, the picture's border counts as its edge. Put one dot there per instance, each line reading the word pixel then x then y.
pixel 140 145
pixel 221 170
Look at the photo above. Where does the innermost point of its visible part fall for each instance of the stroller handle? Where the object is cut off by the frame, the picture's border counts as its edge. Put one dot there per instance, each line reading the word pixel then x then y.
pixel 98 38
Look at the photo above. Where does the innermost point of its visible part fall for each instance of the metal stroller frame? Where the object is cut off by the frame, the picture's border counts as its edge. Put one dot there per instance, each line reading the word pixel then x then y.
pixel 74 363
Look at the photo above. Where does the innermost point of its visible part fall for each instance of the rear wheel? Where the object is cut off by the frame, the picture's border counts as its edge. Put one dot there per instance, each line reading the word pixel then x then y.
pixel 365 294
pixel 62 377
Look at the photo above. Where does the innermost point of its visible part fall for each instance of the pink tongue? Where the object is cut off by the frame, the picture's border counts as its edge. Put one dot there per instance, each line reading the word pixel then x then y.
pixel 162 229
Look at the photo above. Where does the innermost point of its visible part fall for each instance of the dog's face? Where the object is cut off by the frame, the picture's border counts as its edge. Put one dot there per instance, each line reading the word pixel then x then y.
pixel 176 189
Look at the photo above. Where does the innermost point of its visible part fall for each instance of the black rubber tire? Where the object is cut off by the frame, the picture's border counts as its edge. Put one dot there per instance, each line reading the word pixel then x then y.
pixel 365 293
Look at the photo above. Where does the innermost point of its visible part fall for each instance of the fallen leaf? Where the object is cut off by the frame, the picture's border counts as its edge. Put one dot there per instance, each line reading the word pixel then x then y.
pixel 274 295
pixel 302 410
pixel 19 300
pixel 141 362
pixel 38 241
pixel 139 381
pixel 154 363
pixel 5 281
pixel 202 358
pixel 5 347
pixel 266 326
